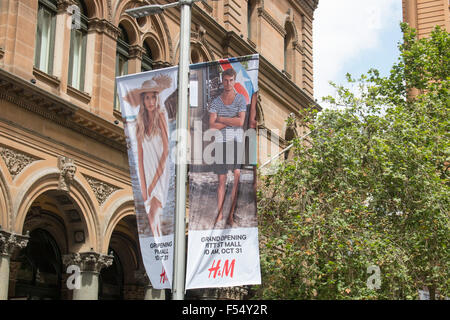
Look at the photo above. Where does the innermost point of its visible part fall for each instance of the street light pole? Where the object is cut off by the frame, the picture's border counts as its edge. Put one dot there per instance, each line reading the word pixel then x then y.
pixel 182 139
pixel 181 165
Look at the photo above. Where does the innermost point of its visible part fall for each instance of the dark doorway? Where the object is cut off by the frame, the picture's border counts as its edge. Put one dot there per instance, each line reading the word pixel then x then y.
pixel 111 280
pixel 39 274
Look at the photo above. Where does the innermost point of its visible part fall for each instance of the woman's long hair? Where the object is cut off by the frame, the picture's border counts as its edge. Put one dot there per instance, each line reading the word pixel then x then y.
pixel 148 122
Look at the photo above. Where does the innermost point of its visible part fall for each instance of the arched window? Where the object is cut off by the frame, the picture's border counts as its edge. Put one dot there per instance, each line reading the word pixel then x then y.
pixel 122 57
pixel 196 56
pixel 77 54
pixel 147 58
pixel 288 49
pixel 45 36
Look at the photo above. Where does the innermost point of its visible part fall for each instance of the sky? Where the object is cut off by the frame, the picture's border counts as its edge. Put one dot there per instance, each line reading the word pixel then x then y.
pixel 352 36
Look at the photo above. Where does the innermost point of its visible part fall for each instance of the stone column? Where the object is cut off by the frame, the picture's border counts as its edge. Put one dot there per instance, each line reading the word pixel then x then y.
pixel 90 264
pixel 149 292
pixel 9 242
pixel 154 294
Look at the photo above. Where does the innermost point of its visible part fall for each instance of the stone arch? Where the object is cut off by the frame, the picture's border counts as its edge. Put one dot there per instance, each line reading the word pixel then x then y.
pixel 127 250
pixel 131 28
pixel 259 113
pixel 94 8
pixel 198 45
pixel 290 128
pixel 158 22
pixel 5 202
pixel 290 133
pixel 117 211
pixel 290 27
pixel 120 235
pixel 56 226
pixel 290 43
pixel 161 29
pixel 156 46
pixel 47 179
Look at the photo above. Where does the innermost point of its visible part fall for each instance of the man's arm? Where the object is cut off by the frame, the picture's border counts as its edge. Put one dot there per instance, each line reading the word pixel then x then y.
pixel 232 122
pixel 213 123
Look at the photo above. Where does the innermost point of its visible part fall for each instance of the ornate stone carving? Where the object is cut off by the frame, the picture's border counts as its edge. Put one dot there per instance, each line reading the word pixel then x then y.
pixel 9 242
pixel 88 261
pixel 67 172
pixel 104 26
pixel 102 190
pixel 108 3
pixel 15 161
pixel 136 51
pixel 63 5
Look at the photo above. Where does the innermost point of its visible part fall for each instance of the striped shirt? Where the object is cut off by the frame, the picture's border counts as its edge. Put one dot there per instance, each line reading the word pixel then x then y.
pixel 232 110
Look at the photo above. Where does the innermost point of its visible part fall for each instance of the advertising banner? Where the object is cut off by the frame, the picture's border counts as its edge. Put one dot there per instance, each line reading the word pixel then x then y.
pixel 223 235
pixel 148 104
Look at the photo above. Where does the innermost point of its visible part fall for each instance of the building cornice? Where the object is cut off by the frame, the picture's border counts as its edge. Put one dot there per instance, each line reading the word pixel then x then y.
pixel 104 26
pixel 28 96
pixel 308 6
pixel 272 79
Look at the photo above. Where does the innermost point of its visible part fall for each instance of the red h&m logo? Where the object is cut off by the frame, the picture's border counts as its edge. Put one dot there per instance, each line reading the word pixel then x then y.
pixel 226 271
pixel 163 277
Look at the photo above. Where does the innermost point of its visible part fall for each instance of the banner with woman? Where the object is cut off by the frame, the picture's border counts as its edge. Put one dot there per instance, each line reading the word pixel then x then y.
pixel 223 235
pixel 149 116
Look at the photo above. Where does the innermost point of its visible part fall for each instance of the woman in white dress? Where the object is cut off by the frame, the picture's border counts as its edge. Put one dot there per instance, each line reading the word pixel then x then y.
pixel 153 147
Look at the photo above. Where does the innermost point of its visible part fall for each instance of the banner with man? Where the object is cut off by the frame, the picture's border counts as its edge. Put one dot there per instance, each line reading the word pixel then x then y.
pixel 223 235
pixel 148 105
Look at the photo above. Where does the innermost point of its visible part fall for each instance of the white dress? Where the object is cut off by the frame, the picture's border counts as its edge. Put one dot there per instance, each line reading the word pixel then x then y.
pixel 152 148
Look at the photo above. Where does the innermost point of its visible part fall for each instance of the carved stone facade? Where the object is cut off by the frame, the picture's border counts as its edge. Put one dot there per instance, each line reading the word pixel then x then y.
pixel 67 170
pixel 88 261
pixel 64 173
pixel 10 242
pixel 15 160
pixel 102 190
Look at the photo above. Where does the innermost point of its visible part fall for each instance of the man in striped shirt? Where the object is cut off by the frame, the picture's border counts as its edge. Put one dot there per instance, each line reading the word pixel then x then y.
pixel 227 114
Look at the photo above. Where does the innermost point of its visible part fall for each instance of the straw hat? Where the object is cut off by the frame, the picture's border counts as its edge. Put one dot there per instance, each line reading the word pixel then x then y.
pixel 156 84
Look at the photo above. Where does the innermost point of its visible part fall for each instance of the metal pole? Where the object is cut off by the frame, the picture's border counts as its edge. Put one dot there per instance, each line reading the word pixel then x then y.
pixel 181 164
pixel 283 151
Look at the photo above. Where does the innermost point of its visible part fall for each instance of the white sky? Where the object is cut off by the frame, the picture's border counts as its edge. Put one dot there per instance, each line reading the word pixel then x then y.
pixel 353 36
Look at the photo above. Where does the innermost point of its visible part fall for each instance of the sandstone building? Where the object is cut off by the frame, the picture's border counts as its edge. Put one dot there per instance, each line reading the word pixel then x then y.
pixel 424 15
pixel 65 191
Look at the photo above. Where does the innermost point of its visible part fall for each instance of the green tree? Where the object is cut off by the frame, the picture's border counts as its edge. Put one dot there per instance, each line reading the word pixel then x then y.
pixel 370 189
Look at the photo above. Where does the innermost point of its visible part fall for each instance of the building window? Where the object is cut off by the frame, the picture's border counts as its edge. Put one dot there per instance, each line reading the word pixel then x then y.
pixel 122 57
pixel 147 59
pixel 251 27
pixel 45 36
pixel 288 49
pixel 77 55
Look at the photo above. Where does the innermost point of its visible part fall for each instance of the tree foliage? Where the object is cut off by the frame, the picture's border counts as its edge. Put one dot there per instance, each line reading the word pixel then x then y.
pixel 370 189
